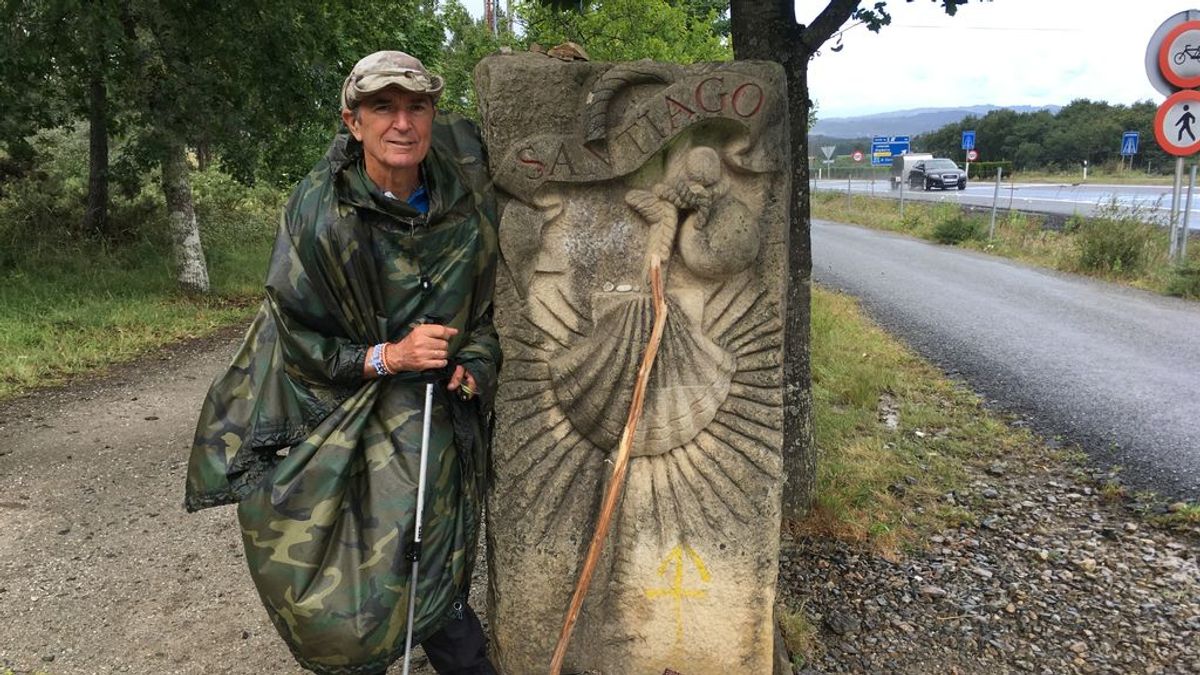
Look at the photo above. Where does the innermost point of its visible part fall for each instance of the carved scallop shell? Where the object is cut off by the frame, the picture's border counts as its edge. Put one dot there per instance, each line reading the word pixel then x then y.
pixel 593 379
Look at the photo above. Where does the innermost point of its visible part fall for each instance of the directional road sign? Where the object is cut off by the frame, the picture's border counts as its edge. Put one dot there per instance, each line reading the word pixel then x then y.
pixel 968 140
pixel 972 155
pixel 1179 55
pixel 1154 48
pixel 1175 124
pixel 883 148
pixel 1129 143
pixel 857 155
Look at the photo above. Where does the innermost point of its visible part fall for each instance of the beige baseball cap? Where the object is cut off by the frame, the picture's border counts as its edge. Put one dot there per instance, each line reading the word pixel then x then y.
pixel 387 69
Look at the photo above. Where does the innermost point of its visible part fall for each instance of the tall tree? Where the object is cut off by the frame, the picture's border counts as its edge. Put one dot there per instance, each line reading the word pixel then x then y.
pixel 468 40
pixel 249 81
pixel 625 30
pixel 768 30
pixel 56 65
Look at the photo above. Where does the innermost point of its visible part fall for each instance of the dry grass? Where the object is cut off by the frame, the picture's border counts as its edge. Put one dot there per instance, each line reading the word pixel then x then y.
pixel 800 635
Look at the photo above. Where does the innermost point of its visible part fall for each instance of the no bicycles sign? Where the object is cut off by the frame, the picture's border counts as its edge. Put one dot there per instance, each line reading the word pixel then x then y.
pixel 1179 55
pixel 1181 52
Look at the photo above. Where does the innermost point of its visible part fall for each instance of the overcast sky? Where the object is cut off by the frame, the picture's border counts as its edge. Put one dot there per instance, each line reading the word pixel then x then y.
pixel 1004 52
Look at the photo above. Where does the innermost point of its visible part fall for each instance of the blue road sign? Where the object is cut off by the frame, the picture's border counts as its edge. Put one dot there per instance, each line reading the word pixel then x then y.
pixel 968 140
pixel 883 148
pixel 1129 143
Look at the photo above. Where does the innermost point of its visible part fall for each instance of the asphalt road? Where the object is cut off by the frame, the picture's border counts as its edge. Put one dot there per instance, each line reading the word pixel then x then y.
pixel 1114 369
pixel 1060 198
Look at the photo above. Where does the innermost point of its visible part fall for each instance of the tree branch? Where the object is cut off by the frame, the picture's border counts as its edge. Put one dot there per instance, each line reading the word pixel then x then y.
pixel 835 14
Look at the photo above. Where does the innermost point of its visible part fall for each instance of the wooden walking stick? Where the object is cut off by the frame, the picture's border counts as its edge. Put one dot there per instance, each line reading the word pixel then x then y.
pixel 617 480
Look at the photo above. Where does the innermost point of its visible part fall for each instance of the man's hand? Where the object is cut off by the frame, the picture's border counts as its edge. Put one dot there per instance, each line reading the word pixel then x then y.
pixel 426 347
pixel 462 377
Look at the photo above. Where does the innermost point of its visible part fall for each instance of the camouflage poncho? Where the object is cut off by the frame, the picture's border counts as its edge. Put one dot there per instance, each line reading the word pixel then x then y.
pixel 326 523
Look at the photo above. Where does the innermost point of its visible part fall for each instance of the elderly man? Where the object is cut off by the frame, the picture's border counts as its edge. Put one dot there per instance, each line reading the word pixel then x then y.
pixel 381 281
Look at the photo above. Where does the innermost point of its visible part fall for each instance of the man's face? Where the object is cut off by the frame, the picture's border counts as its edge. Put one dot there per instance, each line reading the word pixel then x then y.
pixel 395 128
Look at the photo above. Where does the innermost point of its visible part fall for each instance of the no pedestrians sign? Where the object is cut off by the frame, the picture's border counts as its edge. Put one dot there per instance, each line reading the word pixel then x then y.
pixel 1175 124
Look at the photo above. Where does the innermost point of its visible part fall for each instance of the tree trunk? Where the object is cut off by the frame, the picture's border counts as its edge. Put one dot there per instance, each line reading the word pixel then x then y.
pixel 799 445
pixel 768 31
pixel 192 273
pixel 95 214
pixel 204 155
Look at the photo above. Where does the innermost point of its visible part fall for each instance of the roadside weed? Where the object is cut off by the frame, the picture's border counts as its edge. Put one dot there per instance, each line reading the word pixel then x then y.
pixel 799 635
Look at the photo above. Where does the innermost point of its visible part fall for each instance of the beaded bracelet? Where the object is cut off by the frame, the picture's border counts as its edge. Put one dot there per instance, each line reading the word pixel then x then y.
pixel 383 357
pixel 378 362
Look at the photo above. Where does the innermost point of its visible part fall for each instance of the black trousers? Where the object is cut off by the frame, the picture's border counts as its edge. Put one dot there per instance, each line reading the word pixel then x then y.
pixel 459 648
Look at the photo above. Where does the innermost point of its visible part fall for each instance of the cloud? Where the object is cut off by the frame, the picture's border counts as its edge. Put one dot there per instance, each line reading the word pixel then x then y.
pixel 1008 52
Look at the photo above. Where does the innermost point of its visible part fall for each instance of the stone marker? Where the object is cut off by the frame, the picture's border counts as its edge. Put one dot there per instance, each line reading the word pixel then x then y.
pixel 605 165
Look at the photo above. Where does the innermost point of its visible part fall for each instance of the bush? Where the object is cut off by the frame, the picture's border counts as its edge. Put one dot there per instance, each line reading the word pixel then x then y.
pixel 987 170
pixel 913 220
pixel 1073 223
pixel 957 228
pixel 41 211
pixel 1185 281
pixel 41 215
pixel 1117 241
pixel 237 228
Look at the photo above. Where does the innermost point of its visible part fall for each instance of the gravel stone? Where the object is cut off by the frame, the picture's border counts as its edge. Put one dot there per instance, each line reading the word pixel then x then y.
pixel 1036 587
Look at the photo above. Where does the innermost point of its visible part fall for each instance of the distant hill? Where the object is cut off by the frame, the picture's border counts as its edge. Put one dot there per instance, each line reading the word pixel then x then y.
pixel 907 122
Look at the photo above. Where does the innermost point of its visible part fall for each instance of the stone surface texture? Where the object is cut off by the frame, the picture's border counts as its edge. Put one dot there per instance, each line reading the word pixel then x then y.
pixel 605 166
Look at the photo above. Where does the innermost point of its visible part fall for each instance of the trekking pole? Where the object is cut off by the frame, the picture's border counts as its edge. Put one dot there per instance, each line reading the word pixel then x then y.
pixel 414 552
pixel 620 464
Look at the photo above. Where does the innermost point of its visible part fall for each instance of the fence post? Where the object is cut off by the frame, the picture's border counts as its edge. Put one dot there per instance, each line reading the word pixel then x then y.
pixel 995 198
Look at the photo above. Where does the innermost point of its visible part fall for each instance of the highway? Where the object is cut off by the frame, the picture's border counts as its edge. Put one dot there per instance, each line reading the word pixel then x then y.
pixel 1059 198
pixel 1115 369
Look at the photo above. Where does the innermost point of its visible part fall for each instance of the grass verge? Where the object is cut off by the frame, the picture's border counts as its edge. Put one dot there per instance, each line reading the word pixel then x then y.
pixel 70 305
pixel 894 435
pixel 1115 245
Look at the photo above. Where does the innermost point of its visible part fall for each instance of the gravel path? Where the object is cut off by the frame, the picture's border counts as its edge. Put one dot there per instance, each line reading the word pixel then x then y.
pixel 1054 579
pixel 101 571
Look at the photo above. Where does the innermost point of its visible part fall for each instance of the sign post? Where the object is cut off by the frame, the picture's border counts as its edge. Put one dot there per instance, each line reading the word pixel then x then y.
pixel 857 156
pixel 1173 63
pixel 828 150
pixel 1129 146
pixel 1187 212
pixel 1178 134
pixel 884 148
pixel 968 144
